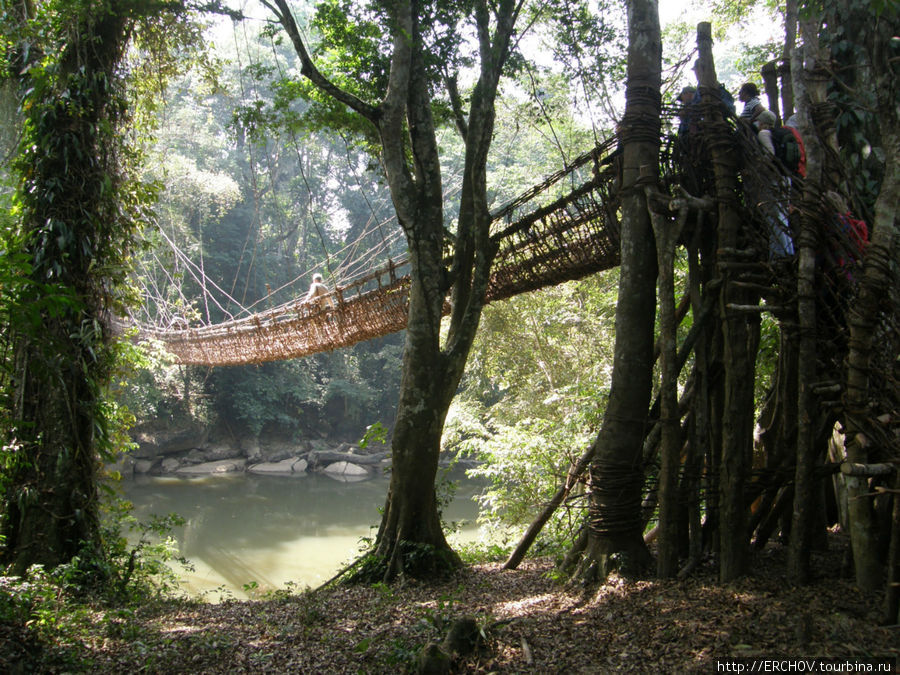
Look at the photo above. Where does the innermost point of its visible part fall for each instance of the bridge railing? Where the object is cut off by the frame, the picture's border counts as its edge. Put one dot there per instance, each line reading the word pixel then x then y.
pixel 571 236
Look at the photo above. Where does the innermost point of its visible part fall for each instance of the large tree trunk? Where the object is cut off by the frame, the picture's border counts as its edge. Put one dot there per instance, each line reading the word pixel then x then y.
pixel 616 475
pixel 410 539
pixel 879 273
pixel 73 234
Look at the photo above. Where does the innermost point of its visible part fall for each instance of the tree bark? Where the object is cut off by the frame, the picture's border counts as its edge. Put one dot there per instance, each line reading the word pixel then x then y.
pixel 790 40
pixel 73 233
pixel 667 234
pixel 878 274
pixel 616 475
pixel 739 342
pixel 410 539
pixel 804 483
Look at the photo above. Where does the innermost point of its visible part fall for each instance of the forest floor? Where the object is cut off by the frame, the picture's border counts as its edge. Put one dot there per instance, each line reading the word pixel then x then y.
pixel 531 624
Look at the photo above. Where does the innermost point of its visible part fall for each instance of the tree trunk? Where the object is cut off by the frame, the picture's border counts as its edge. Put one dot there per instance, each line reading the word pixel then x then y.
pixel 410 539
pixel 667 233
pixel 878 274
pixel 892 594
pixel 801 524
pixel 790 40
pixel 699 440
pixel 616 475
pixel 739 349
pixel 73 231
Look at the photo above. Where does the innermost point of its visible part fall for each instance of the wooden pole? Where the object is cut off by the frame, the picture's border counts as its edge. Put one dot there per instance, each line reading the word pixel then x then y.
pixel 737 416
pixel 770 82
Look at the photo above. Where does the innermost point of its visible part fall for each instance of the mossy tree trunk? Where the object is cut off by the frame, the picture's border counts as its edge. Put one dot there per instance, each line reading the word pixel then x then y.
pixel 73 238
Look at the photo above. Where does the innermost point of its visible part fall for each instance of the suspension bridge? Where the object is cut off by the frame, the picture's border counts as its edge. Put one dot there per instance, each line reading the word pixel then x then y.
pixel 562 229
pixel 542 241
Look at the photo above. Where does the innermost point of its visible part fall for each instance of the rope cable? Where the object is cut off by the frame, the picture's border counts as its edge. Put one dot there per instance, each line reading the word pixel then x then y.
pixel 253 180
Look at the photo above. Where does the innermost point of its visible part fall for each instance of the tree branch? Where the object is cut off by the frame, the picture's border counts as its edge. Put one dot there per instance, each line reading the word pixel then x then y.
pixel 459 115
pixel 308 69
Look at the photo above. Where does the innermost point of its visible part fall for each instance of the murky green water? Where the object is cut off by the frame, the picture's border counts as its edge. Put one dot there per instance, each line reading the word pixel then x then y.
pixel 272 530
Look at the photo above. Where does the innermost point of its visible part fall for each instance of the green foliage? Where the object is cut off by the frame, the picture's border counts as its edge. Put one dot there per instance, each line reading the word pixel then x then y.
pixel 588 41
pixel 864 89
pixel 482 552
pixel 139 564
pixel 156 388
pixel 375 433
pixel 270 395
pixel 53 613
pixel 766 359
pixel 532 399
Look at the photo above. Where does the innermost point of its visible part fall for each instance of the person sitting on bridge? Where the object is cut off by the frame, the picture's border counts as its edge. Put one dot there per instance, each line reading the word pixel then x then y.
pixel 319 294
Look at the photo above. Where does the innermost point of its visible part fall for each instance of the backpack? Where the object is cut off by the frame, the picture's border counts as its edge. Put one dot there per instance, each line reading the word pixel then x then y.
pixel 847 244
pixel 789 149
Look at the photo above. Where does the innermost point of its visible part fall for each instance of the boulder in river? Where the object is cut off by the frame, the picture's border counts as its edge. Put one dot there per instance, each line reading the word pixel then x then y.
pixel 211 468
pixel 285 467
pixel 346 471
pixel 165 442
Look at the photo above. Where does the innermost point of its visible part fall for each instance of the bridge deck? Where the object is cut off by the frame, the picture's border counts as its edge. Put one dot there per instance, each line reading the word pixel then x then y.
pixel 568 238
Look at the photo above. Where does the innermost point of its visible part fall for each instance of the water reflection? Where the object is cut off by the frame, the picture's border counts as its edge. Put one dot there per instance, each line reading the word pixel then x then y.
pixel 272 530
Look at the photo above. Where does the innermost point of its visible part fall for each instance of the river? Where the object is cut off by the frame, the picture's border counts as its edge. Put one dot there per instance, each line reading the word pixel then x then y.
pixel 246 534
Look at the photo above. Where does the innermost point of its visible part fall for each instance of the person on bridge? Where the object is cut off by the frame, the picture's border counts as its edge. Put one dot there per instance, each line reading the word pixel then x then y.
pixel 773 198
pixel 319 294
pixel 753 108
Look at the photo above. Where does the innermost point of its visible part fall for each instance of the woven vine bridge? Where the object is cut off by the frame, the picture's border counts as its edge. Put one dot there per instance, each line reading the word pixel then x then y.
pixel 542 242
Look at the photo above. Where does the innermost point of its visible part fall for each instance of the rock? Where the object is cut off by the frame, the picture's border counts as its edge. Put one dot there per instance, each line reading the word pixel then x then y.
pixel 195 456
pixel 317 459
pixel 432 660
pixel 169 464
pixel 278 454
pixel 250 449
pixel 289 466
pixel 216 451
pixel 319 445
pixel 345 469
pixel 154 443
pixel 463 637
pixel 143 465
pixel 210 468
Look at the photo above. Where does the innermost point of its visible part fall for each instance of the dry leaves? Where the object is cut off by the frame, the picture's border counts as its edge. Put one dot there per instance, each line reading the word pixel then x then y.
pixel 532 625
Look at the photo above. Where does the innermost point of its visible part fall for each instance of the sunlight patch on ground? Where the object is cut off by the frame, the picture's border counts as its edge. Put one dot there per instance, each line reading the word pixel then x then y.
pixel 520 606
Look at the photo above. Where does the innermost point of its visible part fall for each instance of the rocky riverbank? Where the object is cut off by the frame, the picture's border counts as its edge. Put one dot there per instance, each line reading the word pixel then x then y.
pixel 194 452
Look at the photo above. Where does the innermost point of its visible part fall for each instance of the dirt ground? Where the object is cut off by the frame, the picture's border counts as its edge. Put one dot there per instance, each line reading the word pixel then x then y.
pixel 527 623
